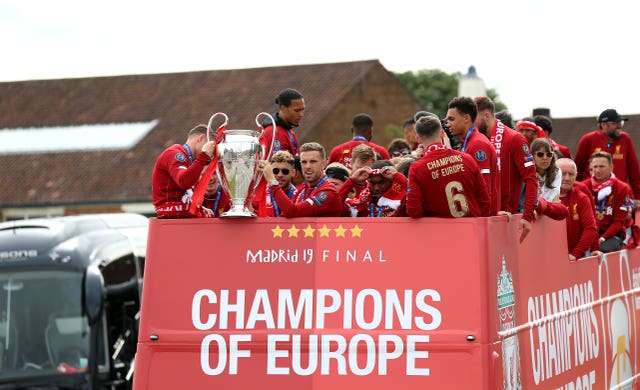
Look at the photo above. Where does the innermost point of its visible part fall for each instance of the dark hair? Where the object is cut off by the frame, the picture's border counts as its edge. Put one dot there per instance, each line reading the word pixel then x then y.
pixel 381 164
pixel 544 122
pixel 398 144
pixel 362 120
pixel 428 126
pixel 484 103
pixel 296 163
pixel 408 122
pixel 465 105
pixel 285 97
pixel 337 171
pixel 505 117
pixel 552 169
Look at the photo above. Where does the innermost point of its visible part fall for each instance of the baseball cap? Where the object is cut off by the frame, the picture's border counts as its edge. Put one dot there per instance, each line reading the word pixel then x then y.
pixel 610 115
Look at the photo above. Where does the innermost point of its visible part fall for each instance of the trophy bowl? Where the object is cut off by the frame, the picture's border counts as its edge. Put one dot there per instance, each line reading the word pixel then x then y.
pixel 239 153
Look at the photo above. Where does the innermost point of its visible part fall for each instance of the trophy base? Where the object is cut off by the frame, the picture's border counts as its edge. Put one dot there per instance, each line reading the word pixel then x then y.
pixel 238 213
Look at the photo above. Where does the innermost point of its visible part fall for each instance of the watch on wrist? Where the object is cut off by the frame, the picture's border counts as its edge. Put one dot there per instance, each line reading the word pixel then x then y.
pixel 274 182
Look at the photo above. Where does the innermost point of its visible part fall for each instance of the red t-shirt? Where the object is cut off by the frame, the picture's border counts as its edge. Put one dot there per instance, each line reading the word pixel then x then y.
pixel 481 149
pixel 516 167
pixel 623 153
pixel 320 201
pixel 446 183
pixel 582 233
pixel 342 152
pixel 174 174
pixel 611 211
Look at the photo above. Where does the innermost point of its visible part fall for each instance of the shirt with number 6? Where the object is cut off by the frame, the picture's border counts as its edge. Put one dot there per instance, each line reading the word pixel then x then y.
pixel 446 183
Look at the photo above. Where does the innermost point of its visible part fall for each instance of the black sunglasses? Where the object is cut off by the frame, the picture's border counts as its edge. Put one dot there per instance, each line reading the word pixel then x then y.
pixel 542 154
pixel 397 153
pixel 285 171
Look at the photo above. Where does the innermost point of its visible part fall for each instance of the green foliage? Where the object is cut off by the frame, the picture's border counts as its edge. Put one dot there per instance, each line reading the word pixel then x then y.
pixel 435 88
pixel 393 131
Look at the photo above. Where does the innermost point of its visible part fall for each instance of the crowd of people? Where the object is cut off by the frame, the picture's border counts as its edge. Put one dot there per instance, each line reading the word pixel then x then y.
pixel 474 162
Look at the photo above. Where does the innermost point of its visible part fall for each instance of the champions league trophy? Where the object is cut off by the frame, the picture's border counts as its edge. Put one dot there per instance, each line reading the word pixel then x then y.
pixel 238 154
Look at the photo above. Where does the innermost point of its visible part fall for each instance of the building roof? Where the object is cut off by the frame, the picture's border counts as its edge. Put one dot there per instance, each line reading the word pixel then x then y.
pixel 173 103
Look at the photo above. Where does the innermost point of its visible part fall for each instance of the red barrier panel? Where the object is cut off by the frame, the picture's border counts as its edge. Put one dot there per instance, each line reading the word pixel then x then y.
pixel 337 303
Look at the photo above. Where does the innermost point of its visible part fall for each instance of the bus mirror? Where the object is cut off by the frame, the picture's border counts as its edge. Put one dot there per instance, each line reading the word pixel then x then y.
pixel 93 293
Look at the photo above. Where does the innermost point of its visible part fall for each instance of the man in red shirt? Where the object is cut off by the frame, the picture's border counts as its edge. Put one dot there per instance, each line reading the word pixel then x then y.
pixel 545 124
pixel 317 196
pixel 177 170
pixel 611 197
pixel 609 138
pixel 283 167
pixel 291 110
pixel 515 163
pixel 362 130
pixel 582 233
pixel 461 115
pixel 385 194
pixel 444 182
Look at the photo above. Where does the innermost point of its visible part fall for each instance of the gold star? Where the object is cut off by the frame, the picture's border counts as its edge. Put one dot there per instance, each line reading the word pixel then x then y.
pixel 340 231
pixel 293 231
pixel 277 231
pixel 324 231
pixel 308 231
pixel 355 231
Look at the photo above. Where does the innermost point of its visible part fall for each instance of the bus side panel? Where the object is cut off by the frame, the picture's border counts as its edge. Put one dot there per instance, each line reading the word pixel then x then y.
pixel 326 303
pixel 567 325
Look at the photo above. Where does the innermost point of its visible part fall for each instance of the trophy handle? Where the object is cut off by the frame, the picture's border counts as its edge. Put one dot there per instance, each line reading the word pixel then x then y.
pixel 226 120
pixel 273 137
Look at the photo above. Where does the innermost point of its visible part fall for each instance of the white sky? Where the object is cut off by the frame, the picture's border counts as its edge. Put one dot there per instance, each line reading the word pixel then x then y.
pixel 575 57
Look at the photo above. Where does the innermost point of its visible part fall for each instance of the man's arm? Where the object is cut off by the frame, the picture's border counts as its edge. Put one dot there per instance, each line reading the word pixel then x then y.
pixel 414 195
pixel 589 235
pixel 314 206
pixel 189 176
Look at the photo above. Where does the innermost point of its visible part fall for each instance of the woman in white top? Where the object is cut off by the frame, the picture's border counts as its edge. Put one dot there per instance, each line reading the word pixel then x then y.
pixel 549 176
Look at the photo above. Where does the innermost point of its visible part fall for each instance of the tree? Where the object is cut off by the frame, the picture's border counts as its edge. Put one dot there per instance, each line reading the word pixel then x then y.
pixel 435 88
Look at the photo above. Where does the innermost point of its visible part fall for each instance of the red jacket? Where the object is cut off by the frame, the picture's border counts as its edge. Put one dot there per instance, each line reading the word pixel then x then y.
pixel 266 207
pixel 173 175
pixel 582 233
pixel 516 167
pixel 342 152
pixel 623 153
pixel 320 201
pixel 446 183
pixel 483 152
pixel 286 138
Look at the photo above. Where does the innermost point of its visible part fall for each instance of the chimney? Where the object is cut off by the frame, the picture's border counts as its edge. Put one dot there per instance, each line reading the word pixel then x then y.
pixel 541 111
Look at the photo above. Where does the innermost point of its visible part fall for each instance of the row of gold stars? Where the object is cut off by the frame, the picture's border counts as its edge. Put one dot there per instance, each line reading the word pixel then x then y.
pixel 310 232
